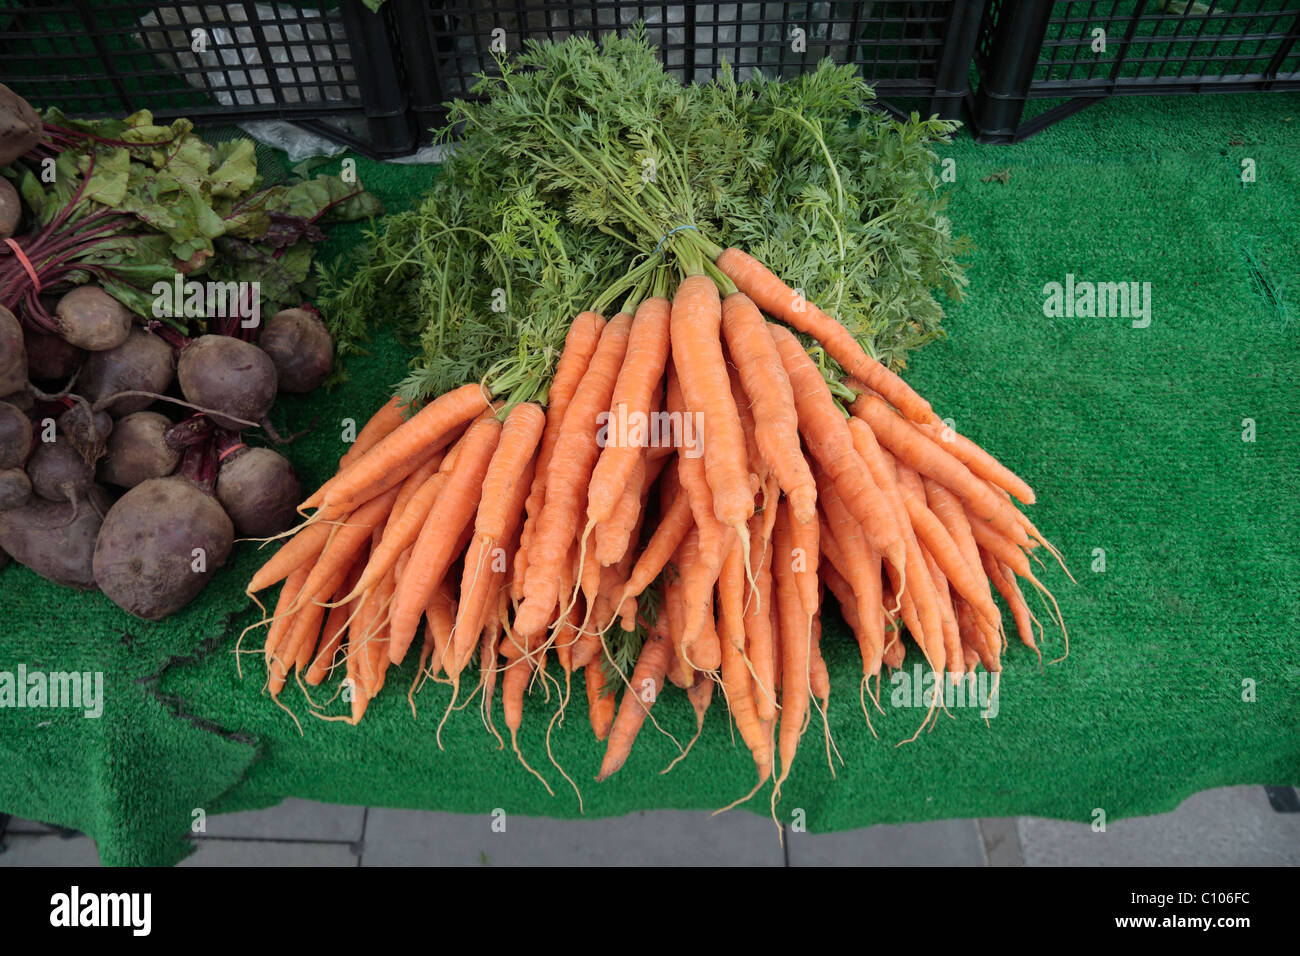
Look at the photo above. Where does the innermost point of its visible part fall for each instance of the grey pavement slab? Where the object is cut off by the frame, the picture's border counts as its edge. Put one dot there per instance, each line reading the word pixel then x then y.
pixel 936 843
pixel 48 849
pixel 270 853
pixel 654 838
pixel 1232 826
pixel 1001 841
pixel 19 825
pixel 294 819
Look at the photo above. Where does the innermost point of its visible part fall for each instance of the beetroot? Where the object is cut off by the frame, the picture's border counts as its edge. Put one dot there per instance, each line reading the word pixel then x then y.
pixel 90 318
pixel 20 127
pixel 13 354
pixel 159 545
pixel 50 358
pixel 260 492
pixel 15 436
pixel 56 540
pixel 15 488
pixel 58 472
pixel 86 430
pixel 143 363
pixel 11 210
pixel 137 451
pixel 229 376
pixel 301 348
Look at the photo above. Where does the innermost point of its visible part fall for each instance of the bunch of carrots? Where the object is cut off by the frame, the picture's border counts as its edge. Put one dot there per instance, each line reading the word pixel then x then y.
pixel 517 532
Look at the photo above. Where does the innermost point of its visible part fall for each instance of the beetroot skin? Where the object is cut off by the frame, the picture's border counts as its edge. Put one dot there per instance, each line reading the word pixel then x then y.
pixel 146 558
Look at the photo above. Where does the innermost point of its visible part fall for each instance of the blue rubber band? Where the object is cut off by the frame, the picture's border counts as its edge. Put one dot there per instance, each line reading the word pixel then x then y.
pixel 669 233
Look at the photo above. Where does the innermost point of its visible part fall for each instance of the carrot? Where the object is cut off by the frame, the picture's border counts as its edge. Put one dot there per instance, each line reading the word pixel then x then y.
pixel 672 528
pixel 282 617
pixel 1001 578
pixel 701 569
pixel 302 549
pixel 615 536
pixel 416 479
pixel 731 599
pixel 383 422
pixel 760 640
pixel 520 436
pixel 695 329
pixel 305 631
pixel 505 487
pixel 601 702
pixel 402 451
pixel 335 626
pixel 569 473
pixel 839 586
pixel 350 538
pixel 913 448
pixel 980 462
pixel 796 640
pixel 390 415
pixel 767 386
pixel 740 698
pixel 579 345
pixel 916 596
pixel 939 544
pixel 643 366
pixel 827 435
pixel 948 617
pixel 440 613
pixel 487 657
pixel 400 532
pixel 757 466
pixel 450 516
pixel 777 299
pixel 861 569
pixel 643 690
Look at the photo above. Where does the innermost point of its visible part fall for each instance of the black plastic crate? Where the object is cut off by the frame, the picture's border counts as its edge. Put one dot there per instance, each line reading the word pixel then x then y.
pixel 327 66
pixel 1034 50
pixel 918 51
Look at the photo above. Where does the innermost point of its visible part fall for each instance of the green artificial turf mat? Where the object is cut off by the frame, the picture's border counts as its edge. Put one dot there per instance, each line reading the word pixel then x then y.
pixel 1132 438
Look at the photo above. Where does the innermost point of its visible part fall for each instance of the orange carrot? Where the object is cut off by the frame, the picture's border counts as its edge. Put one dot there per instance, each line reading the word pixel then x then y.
pixel 601 702
pixel 643 366
pixel 913 448
pixel 777 299
pixel 579 346
pixel 385 421
pixel 826 432
pixel 569 473
pixel 740 699
pixel 672 528
pixel 768 387
pixel 334 627
pixel 939 544
pixel 760 639
pixel 402 451
pixel 695 329
pixel 451 515
pixel 302 549
pixel 796 640
pixel 643 690
pixel 980 462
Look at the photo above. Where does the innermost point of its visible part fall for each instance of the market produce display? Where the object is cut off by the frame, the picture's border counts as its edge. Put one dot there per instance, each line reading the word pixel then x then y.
pixel 612 247
pixel 136 264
